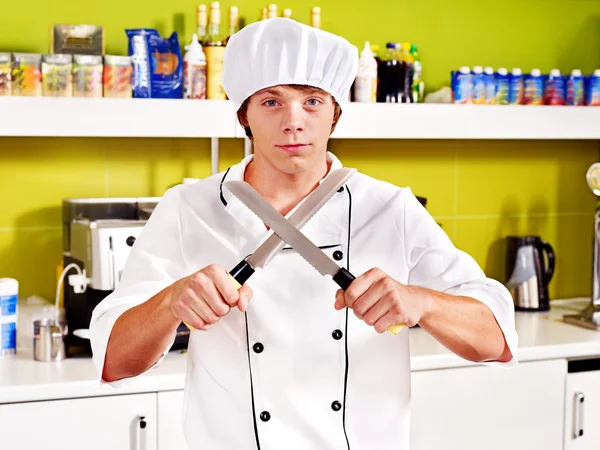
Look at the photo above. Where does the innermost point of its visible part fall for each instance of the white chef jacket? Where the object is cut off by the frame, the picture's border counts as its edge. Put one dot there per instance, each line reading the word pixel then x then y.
pixel 292 372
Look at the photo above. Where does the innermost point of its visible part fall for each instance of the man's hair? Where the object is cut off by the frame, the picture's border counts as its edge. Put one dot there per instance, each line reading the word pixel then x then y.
pixel 242 113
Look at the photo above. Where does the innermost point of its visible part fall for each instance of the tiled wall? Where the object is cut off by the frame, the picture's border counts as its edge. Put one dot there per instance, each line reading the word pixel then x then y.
pixel 479 191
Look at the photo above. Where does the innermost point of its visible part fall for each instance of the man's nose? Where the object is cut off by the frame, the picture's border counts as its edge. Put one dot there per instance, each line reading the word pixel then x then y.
pixel 293 119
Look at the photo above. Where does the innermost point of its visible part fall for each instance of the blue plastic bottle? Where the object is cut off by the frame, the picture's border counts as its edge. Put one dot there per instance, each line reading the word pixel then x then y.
pixel 463 86
pixel 534 88
pixel 478 86
pixel 516 87
pixel 554 89
pixel 575 89
pixel 592 92
pixel 502 86
pixel 489 83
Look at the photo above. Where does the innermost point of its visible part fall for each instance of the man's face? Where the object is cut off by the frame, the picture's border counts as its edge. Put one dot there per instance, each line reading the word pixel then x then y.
pixel 290 126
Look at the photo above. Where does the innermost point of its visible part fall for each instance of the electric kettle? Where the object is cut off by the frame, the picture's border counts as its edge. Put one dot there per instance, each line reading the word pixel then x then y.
pixel 530 265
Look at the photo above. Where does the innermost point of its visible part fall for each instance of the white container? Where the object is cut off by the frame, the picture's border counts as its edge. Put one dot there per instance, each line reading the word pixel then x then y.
pixel 194 71
pixel 9 293
pixel 365 87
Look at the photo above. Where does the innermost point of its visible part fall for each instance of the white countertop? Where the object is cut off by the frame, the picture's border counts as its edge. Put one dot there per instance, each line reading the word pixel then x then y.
pixel 541 336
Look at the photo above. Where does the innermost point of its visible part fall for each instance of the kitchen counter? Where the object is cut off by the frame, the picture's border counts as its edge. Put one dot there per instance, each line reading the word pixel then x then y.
pixel 542 336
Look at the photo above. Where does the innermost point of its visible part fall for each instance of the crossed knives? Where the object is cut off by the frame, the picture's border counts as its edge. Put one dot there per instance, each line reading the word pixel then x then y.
pixel 287 231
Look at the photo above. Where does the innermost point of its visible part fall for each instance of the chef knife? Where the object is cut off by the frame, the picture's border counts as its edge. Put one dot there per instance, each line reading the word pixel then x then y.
pixel 290 234
pixel 313 203
pixel 307 209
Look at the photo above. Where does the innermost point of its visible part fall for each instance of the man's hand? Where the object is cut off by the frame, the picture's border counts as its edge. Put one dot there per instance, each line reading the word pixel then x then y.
pixel 201 299
pixel 381 301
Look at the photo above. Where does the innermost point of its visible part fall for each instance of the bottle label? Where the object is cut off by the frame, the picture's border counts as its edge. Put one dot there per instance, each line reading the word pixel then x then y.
pixel 8 305
pixel 214 75
pixel 554 91
pixel 489 86
pixel 195 81
pixel 365 90
pixel 8 325
pixel 463 88
pixel 516 90
pixel 502 89
pixel 8 339
pixel 575 92
pixel 478 89
pixel 534 90
pixel 593 91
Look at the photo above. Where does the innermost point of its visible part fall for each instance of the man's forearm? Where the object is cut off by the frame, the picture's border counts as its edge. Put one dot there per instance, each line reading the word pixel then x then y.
pixel 139 338
pixel 465 326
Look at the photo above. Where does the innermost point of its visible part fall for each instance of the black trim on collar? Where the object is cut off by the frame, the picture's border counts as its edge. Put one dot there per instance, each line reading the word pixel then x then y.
pixel 221 188
pixel 346 332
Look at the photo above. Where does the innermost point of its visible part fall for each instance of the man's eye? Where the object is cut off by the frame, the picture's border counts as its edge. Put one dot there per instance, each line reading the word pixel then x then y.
pixel 271 103
pixel 312 102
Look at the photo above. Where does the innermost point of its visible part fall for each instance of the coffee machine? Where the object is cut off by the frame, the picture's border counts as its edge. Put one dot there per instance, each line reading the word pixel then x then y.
pixel 590 316
pixel 98 234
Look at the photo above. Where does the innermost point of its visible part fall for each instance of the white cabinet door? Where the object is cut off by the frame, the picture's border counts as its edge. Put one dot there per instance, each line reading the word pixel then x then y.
pixel 170 421
pixel 582 411
pixel 489 408
pixel 99 423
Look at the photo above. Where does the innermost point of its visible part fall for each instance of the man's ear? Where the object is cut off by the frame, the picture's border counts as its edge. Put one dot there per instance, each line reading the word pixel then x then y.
pixel 242 116
pixel 337 113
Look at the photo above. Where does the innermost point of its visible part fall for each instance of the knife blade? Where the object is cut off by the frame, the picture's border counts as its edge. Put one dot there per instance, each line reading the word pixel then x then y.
pixel 290 234
pixel 307 209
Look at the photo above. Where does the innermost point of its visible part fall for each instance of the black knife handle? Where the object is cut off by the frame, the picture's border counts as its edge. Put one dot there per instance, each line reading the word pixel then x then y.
pixel 343 278
pixel 241 272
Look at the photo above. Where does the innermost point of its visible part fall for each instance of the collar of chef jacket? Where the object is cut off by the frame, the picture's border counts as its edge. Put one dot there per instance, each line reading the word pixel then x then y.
pixel 240 212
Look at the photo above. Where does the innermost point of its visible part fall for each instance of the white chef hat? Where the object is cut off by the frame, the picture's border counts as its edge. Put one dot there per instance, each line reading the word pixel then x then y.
pixel 282 51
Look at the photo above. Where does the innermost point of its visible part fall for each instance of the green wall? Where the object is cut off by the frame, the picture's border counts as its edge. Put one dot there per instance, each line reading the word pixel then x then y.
pixel 480 191
pixel 535 33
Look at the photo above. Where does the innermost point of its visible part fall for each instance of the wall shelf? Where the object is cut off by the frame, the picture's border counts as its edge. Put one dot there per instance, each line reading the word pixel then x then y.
pixel 110 117
pixel 442 121
pixel 105 117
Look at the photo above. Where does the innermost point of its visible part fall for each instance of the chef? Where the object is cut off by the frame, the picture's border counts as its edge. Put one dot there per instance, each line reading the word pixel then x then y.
pixel 289 361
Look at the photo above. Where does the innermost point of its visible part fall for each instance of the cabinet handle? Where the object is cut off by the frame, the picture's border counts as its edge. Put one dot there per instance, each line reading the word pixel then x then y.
pixel 141 440
pixel 578 415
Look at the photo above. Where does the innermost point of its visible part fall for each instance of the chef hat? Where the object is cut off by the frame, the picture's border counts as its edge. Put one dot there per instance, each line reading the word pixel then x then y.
pixel 282 51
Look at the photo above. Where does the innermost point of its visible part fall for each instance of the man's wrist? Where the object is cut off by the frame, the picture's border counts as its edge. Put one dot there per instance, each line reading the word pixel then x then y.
pixel 429 301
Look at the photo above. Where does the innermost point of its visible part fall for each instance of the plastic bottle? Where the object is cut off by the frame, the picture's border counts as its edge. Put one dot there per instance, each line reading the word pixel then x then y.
pixel 463 86
pixel 502 86
pixel 592 92
pixel 365 86
pixel 478 86
pixel 9 292
pixel 408 69
pixel 418 86
pixel 489 83
pixel 534 88
pixel 194 71
pixel 516 87
pixel 554 89
pixel 575 91
pixel 390 75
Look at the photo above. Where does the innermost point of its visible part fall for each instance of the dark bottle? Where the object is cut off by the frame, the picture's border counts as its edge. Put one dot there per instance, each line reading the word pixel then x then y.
pixel 390 76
